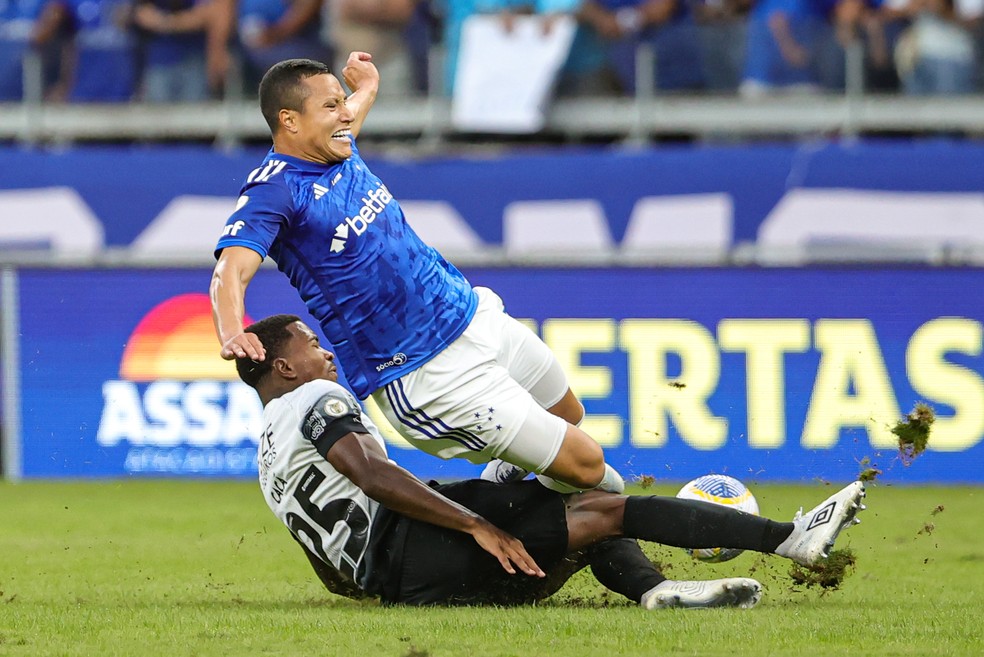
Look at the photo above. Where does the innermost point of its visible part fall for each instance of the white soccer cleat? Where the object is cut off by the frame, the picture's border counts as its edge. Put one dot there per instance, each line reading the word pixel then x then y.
pixel 742 592
pixel 814 533
pixel 502 472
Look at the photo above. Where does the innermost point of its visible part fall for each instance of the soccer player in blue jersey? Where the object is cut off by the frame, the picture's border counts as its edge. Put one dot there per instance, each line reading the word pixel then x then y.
pixel 451 371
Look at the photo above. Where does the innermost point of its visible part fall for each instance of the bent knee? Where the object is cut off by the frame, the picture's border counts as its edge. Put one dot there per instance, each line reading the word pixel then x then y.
pixel 580 462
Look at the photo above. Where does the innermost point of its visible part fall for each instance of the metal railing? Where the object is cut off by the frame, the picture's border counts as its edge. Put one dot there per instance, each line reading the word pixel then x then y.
pixel 427 119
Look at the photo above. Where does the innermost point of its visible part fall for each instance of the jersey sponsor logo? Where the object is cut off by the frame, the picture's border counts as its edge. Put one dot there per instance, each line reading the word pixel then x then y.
pixel 314 426
pixel 177 405
pixel 336 407
pixel 232 229
pixel 330 407
pixel 265 172
pixel 399 358
pixel 373 204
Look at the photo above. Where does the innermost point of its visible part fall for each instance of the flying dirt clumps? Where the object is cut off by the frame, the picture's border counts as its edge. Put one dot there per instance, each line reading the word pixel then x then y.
pixel 868 471
pixel 913 432
pixel 827 574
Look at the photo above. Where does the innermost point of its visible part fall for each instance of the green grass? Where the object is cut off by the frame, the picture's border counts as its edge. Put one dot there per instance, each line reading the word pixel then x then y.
pixel 196 568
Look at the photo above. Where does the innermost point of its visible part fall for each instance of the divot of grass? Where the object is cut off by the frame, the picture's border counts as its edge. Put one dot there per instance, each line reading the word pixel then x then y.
pixel 646 481
pixel 828 574
pixel 913 431
pixel 868 471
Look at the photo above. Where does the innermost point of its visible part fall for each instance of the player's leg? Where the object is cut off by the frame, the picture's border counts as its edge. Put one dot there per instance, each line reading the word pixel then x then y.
pixel 431 565
pixel 463 404
pixel 579 461
pixel 569 408
pixel 595 516
pixel 564 458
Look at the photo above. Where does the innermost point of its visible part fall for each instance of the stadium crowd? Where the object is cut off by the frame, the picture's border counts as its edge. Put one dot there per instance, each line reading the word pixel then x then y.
pixel 193 50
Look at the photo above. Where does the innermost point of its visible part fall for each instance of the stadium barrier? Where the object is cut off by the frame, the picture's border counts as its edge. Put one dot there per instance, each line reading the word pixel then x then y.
pixel 427 122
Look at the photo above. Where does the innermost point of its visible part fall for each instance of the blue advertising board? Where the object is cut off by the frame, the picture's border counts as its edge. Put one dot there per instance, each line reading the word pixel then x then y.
pixel 156 196
pixel 765 374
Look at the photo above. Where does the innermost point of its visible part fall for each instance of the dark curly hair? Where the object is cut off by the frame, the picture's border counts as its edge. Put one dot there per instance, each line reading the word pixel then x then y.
pixel 272 332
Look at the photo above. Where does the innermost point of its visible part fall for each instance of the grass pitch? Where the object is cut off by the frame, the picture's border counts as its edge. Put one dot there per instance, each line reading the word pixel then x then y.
pixel 201 568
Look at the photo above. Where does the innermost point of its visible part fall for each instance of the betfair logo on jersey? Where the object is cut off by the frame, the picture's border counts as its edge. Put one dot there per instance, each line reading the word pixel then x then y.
pixel 232 229
pixel 178 406
pixel 373 204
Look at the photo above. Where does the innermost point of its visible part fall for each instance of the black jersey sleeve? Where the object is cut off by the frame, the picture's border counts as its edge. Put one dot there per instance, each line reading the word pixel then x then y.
pixel 335 415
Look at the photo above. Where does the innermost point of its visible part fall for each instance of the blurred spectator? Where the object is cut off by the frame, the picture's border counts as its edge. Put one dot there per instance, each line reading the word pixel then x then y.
pixel 723 30
pixel 935 55
pixel 780 48
pixel 378 27
pixel 875 24
pixel 970 13
pixel 173 48
pixel 269 31
pixel 18 19
pixel 99 64
pixel 453 14
pixel 670 27
pixel 621 26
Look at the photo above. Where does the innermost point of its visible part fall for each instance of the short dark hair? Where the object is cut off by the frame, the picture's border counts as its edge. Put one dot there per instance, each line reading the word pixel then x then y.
pixel 272 332
pixel 281 87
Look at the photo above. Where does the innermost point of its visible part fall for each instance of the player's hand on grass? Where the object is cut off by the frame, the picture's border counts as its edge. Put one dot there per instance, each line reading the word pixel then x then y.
pixel 507 549
pixel 359 71
pixel 243 345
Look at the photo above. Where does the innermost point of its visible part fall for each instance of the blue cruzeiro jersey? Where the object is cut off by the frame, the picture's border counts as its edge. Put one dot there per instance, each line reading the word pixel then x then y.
pixel 386 301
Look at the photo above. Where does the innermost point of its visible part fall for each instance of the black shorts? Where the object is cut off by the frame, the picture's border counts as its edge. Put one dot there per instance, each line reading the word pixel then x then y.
pixel 431 565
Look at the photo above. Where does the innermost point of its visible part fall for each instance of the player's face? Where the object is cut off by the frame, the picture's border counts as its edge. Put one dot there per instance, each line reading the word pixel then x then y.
pixel 306 356
pixel 325 123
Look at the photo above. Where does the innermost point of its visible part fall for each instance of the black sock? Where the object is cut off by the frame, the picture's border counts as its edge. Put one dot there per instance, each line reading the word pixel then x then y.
pixel 620 566
pixel 695 524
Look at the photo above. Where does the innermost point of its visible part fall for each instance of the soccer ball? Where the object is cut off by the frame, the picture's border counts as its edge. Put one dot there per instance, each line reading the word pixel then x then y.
pixel 726 491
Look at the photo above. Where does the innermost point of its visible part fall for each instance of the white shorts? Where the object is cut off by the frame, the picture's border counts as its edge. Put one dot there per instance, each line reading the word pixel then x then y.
pixel 485 396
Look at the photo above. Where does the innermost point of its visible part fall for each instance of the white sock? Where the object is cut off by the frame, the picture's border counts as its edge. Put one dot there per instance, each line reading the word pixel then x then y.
pixel 612 482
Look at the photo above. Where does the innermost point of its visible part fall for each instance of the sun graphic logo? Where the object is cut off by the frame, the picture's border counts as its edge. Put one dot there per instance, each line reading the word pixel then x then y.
pixel 178 406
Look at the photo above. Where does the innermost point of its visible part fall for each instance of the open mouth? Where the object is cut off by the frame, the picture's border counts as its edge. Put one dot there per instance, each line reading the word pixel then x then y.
pixel 344 134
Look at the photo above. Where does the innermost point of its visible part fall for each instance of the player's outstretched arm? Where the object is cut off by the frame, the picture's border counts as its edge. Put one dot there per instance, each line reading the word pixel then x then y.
pixel 362 78
pixel 358 457
pixel 235 269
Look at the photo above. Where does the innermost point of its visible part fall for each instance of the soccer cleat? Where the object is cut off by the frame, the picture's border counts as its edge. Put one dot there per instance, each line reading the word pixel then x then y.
pixel 740 592
pixel 502 472
pixel 814 533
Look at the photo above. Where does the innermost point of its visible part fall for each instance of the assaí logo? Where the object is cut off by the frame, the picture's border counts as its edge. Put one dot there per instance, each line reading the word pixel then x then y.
pixel 177 406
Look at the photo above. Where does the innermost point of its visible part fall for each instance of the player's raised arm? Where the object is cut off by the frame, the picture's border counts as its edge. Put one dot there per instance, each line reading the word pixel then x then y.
pixel 359 458
pixel 235 269
pixel 362 78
